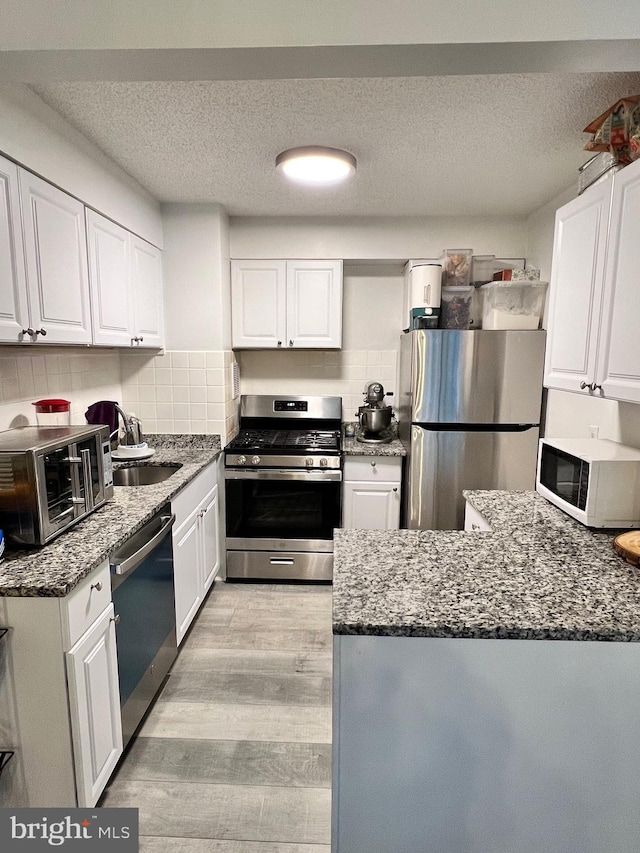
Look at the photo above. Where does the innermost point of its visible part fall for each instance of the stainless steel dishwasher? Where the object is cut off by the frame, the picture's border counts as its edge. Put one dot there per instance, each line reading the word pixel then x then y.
pixel 143 599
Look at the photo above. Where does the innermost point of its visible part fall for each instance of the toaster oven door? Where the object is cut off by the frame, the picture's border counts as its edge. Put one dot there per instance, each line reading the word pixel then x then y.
pixel 59 499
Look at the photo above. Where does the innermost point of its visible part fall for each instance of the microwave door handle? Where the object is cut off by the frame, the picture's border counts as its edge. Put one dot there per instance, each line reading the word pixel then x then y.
pixel 89 503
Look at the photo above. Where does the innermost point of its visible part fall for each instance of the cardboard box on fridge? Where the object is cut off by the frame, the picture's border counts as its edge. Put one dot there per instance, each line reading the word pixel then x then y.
pixel 528 274
pixel 617 130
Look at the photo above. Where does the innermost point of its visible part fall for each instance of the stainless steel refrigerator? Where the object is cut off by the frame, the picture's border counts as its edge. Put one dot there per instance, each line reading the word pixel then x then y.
pixel 469 414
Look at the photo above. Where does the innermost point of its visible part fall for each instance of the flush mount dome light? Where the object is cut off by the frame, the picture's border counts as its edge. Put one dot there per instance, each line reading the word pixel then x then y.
pixel 315 166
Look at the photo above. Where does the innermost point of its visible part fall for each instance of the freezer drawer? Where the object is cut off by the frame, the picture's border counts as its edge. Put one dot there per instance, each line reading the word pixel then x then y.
pixel 444 462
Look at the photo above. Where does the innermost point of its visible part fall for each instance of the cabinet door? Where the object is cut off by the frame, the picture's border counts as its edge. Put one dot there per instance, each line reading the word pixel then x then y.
pixel 187 574
pixel 146 286
pixel 94 702
pixel 258 304
pixel 314 304
pixel 371 505
pixel 56 258
pixel 209 541
pixel 619 354
pixel 111 303
pixel 14 315
pixel 577 276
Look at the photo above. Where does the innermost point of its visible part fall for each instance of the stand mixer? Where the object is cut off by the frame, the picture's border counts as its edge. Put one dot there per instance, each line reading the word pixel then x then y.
pixel 373 416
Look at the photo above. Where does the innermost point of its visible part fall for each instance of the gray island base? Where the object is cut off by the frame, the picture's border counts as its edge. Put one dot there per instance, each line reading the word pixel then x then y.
pixel 449 740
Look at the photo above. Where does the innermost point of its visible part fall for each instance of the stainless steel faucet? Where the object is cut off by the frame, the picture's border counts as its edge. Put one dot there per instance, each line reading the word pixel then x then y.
pixel 132 428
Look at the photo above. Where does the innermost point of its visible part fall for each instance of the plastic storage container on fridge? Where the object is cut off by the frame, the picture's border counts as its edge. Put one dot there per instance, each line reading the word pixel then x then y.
pixel 456 307
pixel 513 304
pixel 482 269
pixel 457 267
pixel 53 412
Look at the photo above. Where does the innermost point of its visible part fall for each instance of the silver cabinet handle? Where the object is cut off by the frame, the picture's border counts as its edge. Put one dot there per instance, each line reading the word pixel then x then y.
pixel 42 332
pixel 28 331
pixel 595 387
pixel 280 562
pixel 115 619
pixel 97 586
pixel 584 385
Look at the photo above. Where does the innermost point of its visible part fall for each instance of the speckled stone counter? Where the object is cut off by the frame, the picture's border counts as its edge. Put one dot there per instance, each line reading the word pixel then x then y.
pixel 353 447
pixel 539 575
pixel 55 569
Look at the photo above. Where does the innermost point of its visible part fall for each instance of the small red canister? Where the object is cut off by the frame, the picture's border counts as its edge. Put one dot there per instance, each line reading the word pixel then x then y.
pixel 53 412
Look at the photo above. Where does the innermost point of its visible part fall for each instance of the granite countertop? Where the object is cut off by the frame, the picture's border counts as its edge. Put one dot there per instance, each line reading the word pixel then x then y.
pixel 54 569
pixel 353 447
pixel 539 576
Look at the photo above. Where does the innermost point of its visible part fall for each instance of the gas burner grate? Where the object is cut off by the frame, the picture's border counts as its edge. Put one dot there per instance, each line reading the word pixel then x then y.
pixel 262 439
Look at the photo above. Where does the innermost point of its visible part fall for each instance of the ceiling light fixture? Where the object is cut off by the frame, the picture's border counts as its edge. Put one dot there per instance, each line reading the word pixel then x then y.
pixel 316 166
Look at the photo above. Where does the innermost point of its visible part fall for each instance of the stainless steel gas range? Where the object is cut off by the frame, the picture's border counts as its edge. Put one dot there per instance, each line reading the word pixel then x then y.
pixel 283 486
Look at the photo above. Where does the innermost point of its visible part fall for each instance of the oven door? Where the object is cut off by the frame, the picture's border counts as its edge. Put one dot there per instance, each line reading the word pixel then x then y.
pixel 282 509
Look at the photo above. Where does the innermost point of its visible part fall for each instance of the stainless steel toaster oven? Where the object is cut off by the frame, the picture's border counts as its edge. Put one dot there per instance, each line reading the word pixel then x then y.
pixel 50 478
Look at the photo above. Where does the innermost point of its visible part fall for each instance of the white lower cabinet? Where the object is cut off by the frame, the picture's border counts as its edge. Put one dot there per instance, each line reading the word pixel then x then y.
pixel 196 545
pixel 64 672
pixel 94 705
pixel 474 521
pixel 371 493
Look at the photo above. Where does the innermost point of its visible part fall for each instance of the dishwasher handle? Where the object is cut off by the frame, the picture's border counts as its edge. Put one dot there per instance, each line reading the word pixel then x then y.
pixel 122 565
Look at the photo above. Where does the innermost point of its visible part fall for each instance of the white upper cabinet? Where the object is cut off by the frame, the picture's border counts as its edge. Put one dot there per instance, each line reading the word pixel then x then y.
pixel 314 304
pixel 109 276
pixel 126 286
pixel 286 304
pixel 619 357
pixel 14 315
pixel 594 316
pixel 146 287
pixel 56 261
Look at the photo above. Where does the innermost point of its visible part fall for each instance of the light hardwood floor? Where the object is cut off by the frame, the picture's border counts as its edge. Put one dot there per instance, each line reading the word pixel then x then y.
pixel 235 756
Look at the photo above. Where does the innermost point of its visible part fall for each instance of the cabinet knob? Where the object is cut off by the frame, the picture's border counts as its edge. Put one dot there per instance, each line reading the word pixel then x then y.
pixel 584 385
pixel 140 339
pixel 475 527
pixel 373 463
pixel 42 332
pixel 115 619
pixel 28 331
pixel 279 343
pixel 395 489
pixel 290 343
pixel 97 586
pixel 595 387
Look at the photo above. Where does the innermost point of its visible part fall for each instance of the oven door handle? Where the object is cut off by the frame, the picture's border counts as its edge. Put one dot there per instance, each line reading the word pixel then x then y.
pixel 123 567
pixel 272 474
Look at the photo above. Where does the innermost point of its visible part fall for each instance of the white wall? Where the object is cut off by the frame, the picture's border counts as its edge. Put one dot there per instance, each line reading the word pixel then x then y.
pixel 372 238
pixel 196 277
pixel 570 415
pixel 87 24
pixel 34 135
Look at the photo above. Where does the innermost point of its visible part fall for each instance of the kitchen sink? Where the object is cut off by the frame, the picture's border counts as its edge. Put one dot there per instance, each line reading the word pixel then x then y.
pixel 143 475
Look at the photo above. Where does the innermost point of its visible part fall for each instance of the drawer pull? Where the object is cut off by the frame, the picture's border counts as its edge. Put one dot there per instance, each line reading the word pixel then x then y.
pixel 97 586
pixel 475 527
pixel 280 562
pixel 373 464
pixel 395 489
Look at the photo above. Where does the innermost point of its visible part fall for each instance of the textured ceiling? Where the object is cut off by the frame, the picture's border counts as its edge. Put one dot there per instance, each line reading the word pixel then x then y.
pixel 432 146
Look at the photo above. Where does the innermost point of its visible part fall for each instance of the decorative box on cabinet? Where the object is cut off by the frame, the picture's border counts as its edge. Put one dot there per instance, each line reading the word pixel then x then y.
pixel 65 676
pixel 286 304
pixel 371 492
pixel 594 298
pixel 126 286
pixel 196 546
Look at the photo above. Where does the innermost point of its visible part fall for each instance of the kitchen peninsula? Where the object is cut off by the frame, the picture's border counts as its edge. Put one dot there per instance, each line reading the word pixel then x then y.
pixel 498 675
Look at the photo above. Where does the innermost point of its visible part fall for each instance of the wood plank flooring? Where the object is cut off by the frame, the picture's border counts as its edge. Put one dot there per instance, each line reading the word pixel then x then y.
pixel 235 756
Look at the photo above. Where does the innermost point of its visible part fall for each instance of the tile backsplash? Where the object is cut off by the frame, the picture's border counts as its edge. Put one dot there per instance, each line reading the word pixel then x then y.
pixel 181 392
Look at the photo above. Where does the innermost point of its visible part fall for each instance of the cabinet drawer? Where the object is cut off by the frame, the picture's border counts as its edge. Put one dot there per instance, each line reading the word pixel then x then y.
pixel 186 501
pixel 85 603
pixel 387 468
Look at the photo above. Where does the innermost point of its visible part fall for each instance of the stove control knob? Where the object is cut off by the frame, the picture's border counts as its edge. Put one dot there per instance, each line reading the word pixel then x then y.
pixel 255 460
pixel 242 459
pixel 309 461
pixel 323 462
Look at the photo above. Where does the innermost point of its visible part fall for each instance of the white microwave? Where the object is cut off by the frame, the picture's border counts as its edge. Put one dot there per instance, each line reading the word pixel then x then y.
pixel 595 481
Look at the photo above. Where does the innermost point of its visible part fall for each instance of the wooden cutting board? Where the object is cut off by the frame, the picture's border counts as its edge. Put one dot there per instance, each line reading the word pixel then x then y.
pixel 628 546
